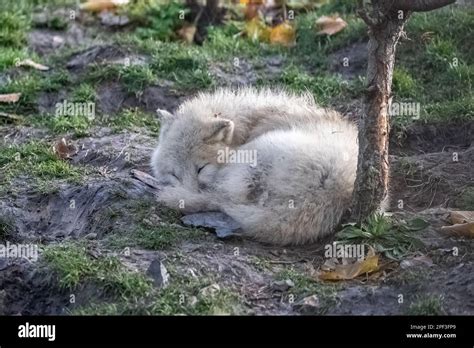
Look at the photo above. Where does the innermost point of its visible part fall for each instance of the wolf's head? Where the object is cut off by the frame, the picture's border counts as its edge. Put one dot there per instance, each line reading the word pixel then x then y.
pixel 188 146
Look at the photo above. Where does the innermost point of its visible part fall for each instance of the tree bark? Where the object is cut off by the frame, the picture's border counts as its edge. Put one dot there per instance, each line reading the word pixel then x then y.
pixel 385 20
pixel 371 186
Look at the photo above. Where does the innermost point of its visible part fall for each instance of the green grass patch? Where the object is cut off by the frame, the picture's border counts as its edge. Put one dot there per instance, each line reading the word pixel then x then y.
pixel 183 296
pixel 133 118
pixel 427 305
pixel 36 159
pixel 77 124
pixel 153 237
pixel 393 239
pixel 74 266
pixel 307 286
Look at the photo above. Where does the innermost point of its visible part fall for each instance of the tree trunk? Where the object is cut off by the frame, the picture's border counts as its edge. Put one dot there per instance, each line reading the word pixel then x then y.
pixel 371 186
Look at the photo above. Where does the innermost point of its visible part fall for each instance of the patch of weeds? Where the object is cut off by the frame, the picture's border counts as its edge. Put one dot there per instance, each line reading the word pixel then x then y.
pixel 466 200
pixel 404 85
pixel 131 118
pixel 29 86
pixel 15 25
pixel 153 237
pixel 185 65
pixel 323 87
pixel 307 286
pixel 385 235
pixel 37 160
pixel 9 56
pixel 74 266
pixel 6 229
pixel 427 305
pixel 84 93
pixel 156 20
pixel 78 124
pixel 55 81
pixel 461 109
pixel 181 297
pixel 134 77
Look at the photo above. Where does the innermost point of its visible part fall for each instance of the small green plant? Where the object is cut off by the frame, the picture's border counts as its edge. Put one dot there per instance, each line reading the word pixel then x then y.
pixel 155 20
pixel 427 305
pixel 74 266
pixel 131 118
pixel 36 159
pixel 394 240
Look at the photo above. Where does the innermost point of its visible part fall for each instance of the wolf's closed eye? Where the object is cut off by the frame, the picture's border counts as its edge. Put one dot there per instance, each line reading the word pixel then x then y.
pixel 201 168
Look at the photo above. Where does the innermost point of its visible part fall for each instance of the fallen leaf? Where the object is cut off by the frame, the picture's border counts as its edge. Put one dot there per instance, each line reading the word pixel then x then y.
pixel 145 178
pixel 101 5
pixel 459 230
pixel 32 64
pixel 64 150
pixel 350 271
pixel 251 11
pixel 421 260
pixel 330 25
pixel 283 34
pixel 461 217
pixel 10 98
pixel 187 33
pixel 257 30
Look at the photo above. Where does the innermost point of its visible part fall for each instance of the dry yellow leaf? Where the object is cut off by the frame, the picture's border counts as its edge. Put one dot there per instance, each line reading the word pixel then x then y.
pixel 32 64
pixel 101 5
pixel 283 34
pixel 10 98
pixel 257 30
pixel 187 33
pixel 460 230
pixel 330 25
pixel 350 271
pixel 461 217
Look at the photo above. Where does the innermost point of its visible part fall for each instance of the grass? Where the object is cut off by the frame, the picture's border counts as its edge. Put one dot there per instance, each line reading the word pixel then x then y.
pixel 306 286
pixel 153 237
pixel 466 200
pixel 78 124
pixel 37 160
pixel 183 296
pixel 427 305
pixel 393 239
pixel 6 229
pixel 132 118
pixel 74 266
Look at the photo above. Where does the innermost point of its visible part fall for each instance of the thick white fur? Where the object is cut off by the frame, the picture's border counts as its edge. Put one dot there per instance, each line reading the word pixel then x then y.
pixel 306 163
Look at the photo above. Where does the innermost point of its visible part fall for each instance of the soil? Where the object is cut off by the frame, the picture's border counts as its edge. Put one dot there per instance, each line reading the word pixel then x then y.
pixel 429 190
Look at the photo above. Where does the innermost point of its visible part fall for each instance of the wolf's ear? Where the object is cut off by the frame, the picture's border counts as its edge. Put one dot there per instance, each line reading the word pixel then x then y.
pixel 220 131
pixel 164 116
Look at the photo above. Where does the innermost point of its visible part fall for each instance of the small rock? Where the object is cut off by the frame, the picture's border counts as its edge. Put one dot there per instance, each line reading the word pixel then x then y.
pixel 308 305
pixel 223 224
pixel 192 301
pixel 158 273
pixel 210 291
pixel 416 262
pixel 91 236
pixel 109 19
pixel 282 285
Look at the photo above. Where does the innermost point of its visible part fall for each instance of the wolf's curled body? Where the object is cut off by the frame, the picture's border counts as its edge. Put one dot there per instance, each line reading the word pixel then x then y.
pixel 296 188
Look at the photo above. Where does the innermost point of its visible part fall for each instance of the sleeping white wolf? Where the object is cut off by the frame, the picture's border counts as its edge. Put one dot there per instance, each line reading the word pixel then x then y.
pixel 280 166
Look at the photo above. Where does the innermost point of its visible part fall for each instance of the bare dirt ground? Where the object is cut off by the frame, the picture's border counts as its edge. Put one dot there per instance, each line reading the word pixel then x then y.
pixel 266 279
